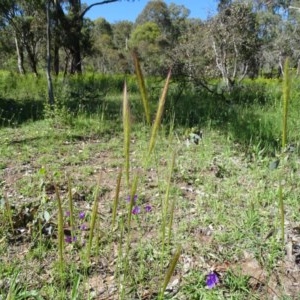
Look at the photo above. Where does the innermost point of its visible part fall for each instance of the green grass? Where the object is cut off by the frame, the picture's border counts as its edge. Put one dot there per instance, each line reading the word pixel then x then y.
pixel 220 199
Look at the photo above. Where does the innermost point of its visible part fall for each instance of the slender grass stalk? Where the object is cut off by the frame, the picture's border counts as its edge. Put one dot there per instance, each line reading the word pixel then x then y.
pixel 60 230
pixel 281 209
pixel 116 199
pixel 132 193
pixel 286 96
pixel 165 207
pixel 120 258
pixel 93 222
pixel 142 86
pixel 71 207
pixel 171 220
pixel 170 271
pixel 173 202
pixel 159 113
pixel 126 262
pixel 126 126
pixel 170 180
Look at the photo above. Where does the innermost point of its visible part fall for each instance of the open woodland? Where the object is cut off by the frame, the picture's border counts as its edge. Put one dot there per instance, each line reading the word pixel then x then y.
pixel 155 159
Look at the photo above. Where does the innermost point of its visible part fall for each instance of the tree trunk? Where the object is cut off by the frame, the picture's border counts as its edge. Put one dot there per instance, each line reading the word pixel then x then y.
pixel 76 57
pixel 56 45
pixel 20 56
pixel 32 60
pixel 56 59
pixel 48 71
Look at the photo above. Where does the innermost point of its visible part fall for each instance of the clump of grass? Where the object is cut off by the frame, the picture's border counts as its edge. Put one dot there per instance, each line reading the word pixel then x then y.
pixel 132 197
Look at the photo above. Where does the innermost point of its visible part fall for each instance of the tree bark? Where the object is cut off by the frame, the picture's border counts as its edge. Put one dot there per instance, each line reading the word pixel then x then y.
pixel 20 56
pixel 32 59
pixel 48 70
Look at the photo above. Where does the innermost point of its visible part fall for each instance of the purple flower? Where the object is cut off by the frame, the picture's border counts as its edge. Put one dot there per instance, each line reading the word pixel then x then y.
pixel 67 213
pixel 136 210
pixel 148 208
pixel 83 227
pixel 211 280
pixel 81 215
pixel 68 239
pixel 128 198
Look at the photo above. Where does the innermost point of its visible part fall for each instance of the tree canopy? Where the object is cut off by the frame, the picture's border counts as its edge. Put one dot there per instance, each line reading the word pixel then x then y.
pixel 243 39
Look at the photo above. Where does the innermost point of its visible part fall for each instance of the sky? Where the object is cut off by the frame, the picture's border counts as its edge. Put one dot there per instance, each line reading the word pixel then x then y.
pixel 129 10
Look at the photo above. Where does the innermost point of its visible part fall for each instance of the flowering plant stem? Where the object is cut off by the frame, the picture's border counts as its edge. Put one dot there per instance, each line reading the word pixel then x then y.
pixel 60 230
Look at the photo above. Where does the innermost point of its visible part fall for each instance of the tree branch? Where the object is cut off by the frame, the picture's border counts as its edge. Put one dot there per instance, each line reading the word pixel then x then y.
pixel 94 4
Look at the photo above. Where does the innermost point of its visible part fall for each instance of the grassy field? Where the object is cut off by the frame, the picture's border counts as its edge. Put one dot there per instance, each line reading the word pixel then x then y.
pixel 193 220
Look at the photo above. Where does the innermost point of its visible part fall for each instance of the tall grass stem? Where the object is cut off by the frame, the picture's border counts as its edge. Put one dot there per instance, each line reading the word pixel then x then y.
pixel 159 113
pixel 142 86
pixel 116 199
pixel 71 207
pixel 60 229
pixel 126 127
pixel 286 96
pixel 170 271
pixel 93 222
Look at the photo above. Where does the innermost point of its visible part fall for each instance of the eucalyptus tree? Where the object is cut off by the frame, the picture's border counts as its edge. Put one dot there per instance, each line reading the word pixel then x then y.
pixel 157 31
pixel 156 11
pixel 25 19
pixel 69 16
pixel 121 34
pixel 102 46
pixel 145 40
pixel 192 58
pixel 274 34
pixel 235 41
pixel 294 33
